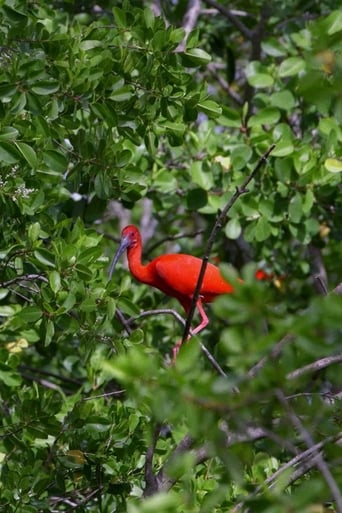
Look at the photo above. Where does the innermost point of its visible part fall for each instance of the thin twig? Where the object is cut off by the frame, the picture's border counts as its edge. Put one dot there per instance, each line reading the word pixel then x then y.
pixel 320 463
pixel 163 481
pixel 274 355
pixel 320 364
pixel 219 221
pixel 225 85
pixel 180 319
pixel 176 236
pixel 230 15
pixel 338 289
pixel 123 321
pixel 104 395
pixel 201 454
pixel 301 463
pixel 158 311
pixel 24 277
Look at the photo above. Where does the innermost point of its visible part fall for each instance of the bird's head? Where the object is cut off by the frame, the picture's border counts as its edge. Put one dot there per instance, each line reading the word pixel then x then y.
pixel 130 238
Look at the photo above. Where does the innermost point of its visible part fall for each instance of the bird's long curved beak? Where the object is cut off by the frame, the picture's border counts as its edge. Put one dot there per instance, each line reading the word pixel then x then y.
pixel 124 243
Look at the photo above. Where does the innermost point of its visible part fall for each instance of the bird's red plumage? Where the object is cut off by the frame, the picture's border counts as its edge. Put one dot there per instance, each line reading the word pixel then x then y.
pixel 174 274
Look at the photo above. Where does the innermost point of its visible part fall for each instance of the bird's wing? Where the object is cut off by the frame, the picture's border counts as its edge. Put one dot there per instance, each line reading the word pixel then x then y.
pixel 177 276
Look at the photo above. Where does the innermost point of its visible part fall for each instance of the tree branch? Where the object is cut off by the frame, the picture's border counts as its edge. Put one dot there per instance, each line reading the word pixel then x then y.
pixel 224 84
pixel 301 463
pixel 274 355
pixel 189 21
pixel 315 366
pixel 320 463
pixel 241 27
pixel 151 483
pixel 24 277
pixel 180 319
pixel 220 219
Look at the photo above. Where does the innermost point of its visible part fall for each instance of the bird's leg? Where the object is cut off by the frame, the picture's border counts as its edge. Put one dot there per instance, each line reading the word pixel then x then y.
pixel 204 318
pixel 200 327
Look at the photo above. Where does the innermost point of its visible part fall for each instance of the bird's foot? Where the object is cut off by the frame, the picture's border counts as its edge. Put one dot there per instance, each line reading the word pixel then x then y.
pixel 175 351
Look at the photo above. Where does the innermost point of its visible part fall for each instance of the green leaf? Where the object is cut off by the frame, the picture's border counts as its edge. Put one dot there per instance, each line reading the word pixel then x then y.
pixel 334 22
pixel 55 160
pixel 28 153
pixel 49 332
pixel 45 257
pixel 200 177
pixel 309 200
pixel 291 66
pixel 296 208
pixel 283 148
pixel 195 57
pixel 46 87
pixel 129 307
pixel 273 47
pixel 15 16
pixel 283 100
pixel 261 80
pixel 171 126
pixel 54 281
pixel 333 165
pixel 8 153
pixel 209 107
pixel 233 229
pixel 68 303
pixel 103 185
pixel 30 314
pixel 196 198
pixel 6 310
pixel 8 132
pixel 34 232
pixel 120 17
pixel 262 229
pixel 9 377
pixel 240 156
pixel 122 94
pixel 266 116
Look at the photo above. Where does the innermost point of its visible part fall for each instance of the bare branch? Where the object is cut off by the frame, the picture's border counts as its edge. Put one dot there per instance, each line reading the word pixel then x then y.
pixel 201 454
pixel 320 463
pixel 123 321
pixel 315 366
pixel 189 21
pixel 151 483
pixel 164 482
pixel 176 236
pixel 318 270
pixel 301 463
pixel 118 393
pixel 338 289
pixel 229 14
pixel 180 319
pixel 158 311
pixel 22 278
pixel 224 84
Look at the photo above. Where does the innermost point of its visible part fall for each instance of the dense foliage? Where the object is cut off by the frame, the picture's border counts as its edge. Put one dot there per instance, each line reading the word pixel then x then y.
pixel 154 113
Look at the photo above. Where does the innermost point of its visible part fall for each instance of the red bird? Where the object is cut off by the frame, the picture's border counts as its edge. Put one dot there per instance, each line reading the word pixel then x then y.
pixel 174 274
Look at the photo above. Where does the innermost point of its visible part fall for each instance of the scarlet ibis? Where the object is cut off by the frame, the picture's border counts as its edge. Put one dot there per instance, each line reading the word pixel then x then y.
pixel 174 274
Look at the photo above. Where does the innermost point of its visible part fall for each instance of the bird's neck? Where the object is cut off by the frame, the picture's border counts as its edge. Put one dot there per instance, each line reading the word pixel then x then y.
pixel 138 270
